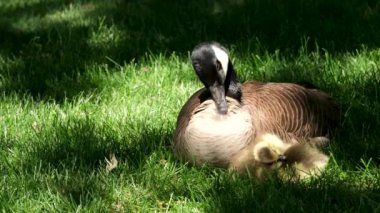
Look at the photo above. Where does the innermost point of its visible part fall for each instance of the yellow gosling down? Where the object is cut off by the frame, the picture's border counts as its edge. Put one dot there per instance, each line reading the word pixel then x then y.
pixel 303 161
pixel 268 154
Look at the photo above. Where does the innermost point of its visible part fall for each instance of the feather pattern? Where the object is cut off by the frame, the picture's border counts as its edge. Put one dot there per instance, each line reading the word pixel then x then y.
pixel 290 110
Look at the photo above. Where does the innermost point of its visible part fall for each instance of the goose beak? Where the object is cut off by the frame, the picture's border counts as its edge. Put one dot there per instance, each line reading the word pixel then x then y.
pixel 218 94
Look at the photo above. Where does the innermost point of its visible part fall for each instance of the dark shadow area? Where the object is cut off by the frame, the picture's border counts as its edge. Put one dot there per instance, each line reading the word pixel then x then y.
pixel 275 196
pixel 84 145
pixel 79 148
pixel 359 136
pixel 53 56
pixel 337 26
pixel 50 57
pixel 179 26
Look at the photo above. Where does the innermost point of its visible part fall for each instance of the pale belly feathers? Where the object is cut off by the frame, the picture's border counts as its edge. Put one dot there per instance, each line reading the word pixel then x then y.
pixel 215 139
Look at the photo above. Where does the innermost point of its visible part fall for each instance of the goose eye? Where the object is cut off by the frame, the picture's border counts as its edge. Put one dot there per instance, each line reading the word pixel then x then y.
pixel 197 67
pixel 218 65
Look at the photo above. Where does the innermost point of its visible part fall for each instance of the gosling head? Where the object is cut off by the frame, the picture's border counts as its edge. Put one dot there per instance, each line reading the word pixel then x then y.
pixel 213 67
pixel 270 148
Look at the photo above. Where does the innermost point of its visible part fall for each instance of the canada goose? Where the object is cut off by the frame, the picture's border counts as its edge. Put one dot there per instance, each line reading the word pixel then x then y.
pixel 218 122
pixel 292 161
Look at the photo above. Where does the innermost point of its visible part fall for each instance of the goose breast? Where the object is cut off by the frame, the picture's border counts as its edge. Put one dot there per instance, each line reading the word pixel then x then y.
pixel 213 138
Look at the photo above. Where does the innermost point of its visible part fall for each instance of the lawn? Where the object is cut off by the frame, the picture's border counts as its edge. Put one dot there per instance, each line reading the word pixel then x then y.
pixel 82 81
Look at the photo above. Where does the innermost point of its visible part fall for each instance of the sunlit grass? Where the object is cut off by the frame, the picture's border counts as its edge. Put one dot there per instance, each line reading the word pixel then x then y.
pixel 78 86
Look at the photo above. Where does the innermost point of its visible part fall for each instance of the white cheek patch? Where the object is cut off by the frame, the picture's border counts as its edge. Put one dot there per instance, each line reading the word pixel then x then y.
pixel 222 57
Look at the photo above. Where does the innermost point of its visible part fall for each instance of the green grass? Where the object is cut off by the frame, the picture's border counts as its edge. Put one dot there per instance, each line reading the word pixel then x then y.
pixel 82 80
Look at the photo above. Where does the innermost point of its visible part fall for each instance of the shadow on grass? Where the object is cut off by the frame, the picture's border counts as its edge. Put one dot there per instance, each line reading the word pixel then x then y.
pixel 81 143
pixel 274 196
pixel 73 156
pixel 358 138
pixel 53 56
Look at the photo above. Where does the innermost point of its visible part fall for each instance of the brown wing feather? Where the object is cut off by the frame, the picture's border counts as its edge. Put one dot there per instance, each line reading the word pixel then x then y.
pixel 290 110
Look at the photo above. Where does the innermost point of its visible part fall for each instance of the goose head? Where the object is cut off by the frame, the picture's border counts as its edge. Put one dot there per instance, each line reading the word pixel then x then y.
pixel 214 69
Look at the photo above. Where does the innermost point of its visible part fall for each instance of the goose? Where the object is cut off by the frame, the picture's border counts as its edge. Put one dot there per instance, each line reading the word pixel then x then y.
pixel 220 122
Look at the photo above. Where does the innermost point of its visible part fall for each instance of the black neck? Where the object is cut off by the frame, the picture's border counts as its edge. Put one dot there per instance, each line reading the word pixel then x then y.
pixel 232 84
